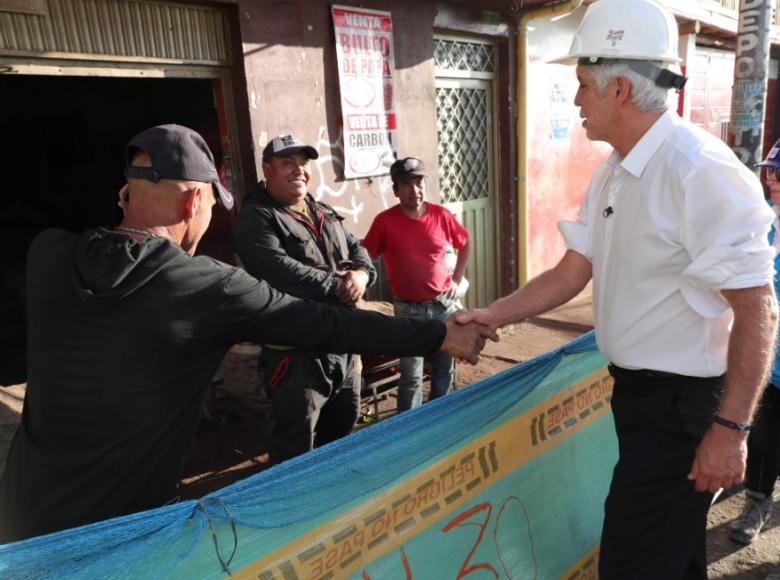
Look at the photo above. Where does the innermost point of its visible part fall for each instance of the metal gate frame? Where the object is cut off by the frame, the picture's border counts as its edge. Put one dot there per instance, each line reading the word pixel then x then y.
pixel 448 77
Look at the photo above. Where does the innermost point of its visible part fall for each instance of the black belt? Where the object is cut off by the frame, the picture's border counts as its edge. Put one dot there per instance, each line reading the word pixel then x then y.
pixel 642 374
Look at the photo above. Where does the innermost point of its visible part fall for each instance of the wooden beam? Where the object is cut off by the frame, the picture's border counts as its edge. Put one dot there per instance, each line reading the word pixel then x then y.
pixel 690 27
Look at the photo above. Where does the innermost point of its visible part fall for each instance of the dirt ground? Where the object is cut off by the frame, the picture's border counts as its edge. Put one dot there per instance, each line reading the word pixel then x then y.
pixel 232 439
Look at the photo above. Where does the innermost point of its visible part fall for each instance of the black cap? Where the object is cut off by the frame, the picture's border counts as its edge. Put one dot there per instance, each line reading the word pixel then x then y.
pixel 288 145
pixel 405 168
pixel 177 153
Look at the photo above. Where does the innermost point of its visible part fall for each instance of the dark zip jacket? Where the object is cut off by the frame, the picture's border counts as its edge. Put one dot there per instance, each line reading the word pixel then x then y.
pixel 279 246
pixel 124 338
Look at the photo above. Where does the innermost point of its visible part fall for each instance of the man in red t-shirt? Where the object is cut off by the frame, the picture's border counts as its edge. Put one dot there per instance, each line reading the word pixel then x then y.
pixel 413 238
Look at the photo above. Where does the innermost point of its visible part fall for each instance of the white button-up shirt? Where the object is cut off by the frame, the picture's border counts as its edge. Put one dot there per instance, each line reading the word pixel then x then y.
pixel 686 219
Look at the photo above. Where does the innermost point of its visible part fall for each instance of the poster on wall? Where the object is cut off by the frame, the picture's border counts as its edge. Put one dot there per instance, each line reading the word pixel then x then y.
pixel 364 48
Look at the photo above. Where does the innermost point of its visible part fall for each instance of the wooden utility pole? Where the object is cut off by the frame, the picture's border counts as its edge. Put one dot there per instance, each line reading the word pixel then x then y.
pixel 748 102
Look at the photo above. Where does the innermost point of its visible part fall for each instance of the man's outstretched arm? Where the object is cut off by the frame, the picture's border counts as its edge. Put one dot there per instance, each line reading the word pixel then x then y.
pixel 258 313
pixel 548 290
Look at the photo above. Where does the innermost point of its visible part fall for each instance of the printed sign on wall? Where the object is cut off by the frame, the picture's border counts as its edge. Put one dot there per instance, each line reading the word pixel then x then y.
pixel 364 47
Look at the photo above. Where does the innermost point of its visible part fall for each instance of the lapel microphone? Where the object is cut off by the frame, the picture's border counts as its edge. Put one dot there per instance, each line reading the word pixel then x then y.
pixel 608 211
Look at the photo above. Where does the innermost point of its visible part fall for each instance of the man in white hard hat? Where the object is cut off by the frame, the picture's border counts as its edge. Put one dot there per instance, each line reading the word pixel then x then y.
pixel 673 232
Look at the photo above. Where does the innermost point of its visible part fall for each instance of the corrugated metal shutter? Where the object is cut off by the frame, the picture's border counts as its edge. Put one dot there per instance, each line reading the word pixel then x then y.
pixel 127 30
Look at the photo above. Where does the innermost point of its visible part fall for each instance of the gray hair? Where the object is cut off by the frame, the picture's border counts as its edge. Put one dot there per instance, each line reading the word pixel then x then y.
pixel 645 94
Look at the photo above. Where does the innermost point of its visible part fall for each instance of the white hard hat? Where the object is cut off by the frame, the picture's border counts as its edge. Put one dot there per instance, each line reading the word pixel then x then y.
pixel 625 29
pixel 638 33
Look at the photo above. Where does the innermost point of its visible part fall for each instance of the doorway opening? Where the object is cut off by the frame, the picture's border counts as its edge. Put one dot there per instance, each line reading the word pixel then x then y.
pixel 63 157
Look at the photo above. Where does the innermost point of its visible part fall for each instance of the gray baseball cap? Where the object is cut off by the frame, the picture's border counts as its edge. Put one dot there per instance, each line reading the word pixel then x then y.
pixel 176 152
pixel 288 145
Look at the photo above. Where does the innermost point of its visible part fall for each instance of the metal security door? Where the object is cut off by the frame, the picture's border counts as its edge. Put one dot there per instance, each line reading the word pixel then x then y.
pixel 464 111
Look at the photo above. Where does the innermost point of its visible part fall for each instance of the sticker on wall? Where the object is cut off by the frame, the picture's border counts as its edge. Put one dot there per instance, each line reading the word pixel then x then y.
pixel 560 114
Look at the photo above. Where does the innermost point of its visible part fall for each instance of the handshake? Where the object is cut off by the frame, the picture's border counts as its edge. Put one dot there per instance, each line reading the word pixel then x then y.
pixel 467 333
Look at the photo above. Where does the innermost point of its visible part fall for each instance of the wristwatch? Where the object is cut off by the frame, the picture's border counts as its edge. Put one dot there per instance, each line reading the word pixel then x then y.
pixel 744 427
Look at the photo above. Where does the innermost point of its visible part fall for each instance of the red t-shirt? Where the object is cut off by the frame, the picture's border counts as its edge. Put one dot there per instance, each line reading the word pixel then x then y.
pixel 413 250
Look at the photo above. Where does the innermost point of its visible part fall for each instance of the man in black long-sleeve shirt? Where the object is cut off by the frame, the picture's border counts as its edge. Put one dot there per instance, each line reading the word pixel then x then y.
pixel 126 330
pixel 299 246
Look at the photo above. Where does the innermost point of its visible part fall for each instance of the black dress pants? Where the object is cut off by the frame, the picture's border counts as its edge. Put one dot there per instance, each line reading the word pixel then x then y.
pixel 763 463
pixel 655 522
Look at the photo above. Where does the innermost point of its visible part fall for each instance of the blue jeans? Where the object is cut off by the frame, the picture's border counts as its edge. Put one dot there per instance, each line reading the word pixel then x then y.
pixel 410 383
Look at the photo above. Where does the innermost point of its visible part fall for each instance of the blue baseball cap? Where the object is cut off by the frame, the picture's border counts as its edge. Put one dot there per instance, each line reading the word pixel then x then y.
pixel 773 157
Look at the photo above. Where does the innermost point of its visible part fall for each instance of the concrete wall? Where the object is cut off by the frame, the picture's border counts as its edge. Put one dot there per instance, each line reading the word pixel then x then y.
pixel 561 159
pixel 292 86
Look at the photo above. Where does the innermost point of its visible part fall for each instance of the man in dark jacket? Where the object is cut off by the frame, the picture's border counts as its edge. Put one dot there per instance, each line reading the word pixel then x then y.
pixel 299 246
pixel 126 330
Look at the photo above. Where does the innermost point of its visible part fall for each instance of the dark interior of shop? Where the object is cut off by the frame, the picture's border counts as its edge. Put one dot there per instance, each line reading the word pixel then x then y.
pixel 62 154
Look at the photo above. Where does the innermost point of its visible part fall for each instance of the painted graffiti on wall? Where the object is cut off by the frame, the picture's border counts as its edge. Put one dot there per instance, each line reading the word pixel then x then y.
pixel 750 71
pixel 347 196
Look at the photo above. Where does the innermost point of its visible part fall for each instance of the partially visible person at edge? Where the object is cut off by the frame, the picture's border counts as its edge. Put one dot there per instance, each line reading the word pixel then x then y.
pixel 299 246
pixel 763 463
pixel 126 331
pixel 413 238
pixel 673 232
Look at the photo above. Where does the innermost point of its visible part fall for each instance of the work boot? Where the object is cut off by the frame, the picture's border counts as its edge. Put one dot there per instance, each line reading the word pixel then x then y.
pixel 758 509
